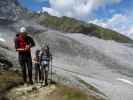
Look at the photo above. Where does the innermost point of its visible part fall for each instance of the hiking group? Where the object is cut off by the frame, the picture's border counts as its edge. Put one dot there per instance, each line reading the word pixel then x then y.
pixel 42 59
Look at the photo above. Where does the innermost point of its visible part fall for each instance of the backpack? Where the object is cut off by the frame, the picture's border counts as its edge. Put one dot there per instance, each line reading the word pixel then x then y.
pixel 29 41
pixel 21 41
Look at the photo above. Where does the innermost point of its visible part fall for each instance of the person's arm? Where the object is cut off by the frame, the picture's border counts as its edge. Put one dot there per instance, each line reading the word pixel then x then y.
pixel 31 41
pixel 34 60
pixel 16 44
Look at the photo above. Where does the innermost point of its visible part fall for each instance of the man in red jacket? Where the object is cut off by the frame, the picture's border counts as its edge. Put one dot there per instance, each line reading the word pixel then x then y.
pixel 23 45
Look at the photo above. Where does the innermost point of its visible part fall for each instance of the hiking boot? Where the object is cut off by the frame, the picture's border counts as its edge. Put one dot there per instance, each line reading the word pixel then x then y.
pixel 25 81
pixel 46 82
pixel 43 84
pixel 31 82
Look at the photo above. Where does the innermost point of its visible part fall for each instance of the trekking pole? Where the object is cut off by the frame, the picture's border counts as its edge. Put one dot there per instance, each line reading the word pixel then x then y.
pixel 51 70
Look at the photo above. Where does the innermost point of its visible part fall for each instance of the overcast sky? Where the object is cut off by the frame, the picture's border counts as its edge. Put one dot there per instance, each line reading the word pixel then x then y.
pixel 113 14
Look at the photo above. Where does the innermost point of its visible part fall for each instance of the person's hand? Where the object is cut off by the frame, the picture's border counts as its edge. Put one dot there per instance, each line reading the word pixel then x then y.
pixel 27 47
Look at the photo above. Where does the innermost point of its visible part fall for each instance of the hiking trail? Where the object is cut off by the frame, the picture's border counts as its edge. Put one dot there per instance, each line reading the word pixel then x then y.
pixel 33 92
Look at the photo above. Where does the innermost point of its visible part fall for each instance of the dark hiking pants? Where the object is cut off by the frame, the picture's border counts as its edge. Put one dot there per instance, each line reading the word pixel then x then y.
pixel 44 73
pixel 26 65
pixel 37 72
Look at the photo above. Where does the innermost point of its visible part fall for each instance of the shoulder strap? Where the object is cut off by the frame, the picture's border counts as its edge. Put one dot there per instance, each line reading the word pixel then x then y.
pixel 30 41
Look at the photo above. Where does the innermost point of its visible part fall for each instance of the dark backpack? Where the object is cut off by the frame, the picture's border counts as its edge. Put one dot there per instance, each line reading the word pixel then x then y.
pixel 29 41
pixel 20 41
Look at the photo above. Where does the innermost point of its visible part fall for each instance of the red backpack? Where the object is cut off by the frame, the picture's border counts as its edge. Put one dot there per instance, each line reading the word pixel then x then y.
pixel 21 41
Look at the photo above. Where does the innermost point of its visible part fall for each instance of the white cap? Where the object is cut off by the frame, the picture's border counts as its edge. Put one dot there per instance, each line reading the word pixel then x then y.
pixel 22 29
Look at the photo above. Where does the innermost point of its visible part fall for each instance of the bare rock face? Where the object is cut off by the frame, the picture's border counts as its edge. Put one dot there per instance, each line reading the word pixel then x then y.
pixel 10 9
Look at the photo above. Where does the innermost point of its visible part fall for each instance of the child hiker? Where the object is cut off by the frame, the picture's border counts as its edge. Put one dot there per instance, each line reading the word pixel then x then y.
pixel 36 62
pixel 45 57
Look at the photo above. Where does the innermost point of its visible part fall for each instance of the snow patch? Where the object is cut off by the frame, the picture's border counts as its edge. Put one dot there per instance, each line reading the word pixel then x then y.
pixel 125 81
pixel 2 39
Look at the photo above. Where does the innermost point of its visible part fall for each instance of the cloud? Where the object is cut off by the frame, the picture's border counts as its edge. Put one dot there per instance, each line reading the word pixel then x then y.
pixel 51 11
pixel 79 9
pixel 84 10
pixel 114 22
pixel 119 22
pixel 129 31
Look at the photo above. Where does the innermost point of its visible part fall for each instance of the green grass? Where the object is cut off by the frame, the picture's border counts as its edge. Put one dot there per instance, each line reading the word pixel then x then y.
pixel 108 34
pixel 63 92
pixel 66 93
pixel 8 80
pixel 72 94
pixel 90 87
pixel 66 24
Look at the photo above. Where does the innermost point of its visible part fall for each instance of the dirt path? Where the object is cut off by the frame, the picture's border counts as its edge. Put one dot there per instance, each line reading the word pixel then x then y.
pixel 51 92
pixel 35 92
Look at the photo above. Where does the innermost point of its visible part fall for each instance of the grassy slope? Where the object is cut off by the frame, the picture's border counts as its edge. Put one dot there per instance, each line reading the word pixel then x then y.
pixel 51 92
pixel 67 93
pixel 8 80
pixel 66 24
